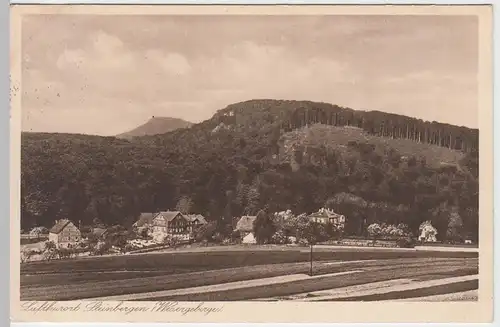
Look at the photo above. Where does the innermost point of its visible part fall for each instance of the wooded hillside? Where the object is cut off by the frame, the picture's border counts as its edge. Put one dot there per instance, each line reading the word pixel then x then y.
pixel 236 163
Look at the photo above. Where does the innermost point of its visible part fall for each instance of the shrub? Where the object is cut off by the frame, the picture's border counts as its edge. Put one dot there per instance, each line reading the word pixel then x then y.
pixel 144 232
pixel 427 232
pixel 218 238
pixel 391 231
pixel 50 254
pixel 334 231
pixel 26 255
pixel 226 241
pixel 65 253
pixel 50 251
pixel 100 248
pixel 80 250
pixel 50 246
pixel 129 247
pixel 37 251
pixel 405 229
pixel 312 232
pixel 236 236
pixel 406 242
pixel 92 238
pixel 279 238
pixel 171 241
pixel 205 232
pixel 374 230
pixel 263 227
pixel 302 242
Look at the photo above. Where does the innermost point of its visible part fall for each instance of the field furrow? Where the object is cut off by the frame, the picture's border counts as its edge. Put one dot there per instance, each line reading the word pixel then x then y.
pixel 211 277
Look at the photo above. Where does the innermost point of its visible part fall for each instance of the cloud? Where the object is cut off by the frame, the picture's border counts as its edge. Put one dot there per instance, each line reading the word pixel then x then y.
pixel 170 63
pixel 427 76
pixel 71 59
pixel 189 67
pixel 106 52
pixel 106 44
pixel 257 70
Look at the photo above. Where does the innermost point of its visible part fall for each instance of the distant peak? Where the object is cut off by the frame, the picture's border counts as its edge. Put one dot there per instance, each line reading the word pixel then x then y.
pixel 157 125
pixel 164 118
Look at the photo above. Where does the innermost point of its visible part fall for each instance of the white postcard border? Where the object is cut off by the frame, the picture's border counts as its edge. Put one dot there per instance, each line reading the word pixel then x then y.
pixel 373 312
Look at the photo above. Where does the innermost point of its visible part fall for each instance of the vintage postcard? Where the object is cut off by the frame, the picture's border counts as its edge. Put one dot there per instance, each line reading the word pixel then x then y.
pixel 251 163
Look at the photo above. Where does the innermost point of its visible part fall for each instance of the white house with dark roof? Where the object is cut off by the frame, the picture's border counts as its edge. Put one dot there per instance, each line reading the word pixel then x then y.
pixel 64 234
pixel 327 216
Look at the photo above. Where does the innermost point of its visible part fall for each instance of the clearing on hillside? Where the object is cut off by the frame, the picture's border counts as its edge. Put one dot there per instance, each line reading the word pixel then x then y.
pixel 338 137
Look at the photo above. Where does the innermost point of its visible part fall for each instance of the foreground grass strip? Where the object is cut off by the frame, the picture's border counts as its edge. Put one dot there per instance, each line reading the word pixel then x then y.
pixel 426 291
pixel 66 290
pixel 184 262
pixel 372 287
pixel 77 277
pixel 287 289
pixel 81 278
pixel 358 292
pixel 342 290
pixel 140 285
pixel 219 287
pixel 48 279
pixel 451 297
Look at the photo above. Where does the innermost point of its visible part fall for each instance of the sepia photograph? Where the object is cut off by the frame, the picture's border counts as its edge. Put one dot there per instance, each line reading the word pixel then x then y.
pixel 257 156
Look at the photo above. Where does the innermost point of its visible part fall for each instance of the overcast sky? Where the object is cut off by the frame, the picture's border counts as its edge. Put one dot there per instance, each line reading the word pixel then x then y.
pixel 107 74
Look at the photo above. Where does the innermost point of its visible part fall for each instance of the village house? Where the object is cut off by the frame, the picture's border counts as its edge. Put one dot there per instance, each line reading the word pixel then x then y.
pixel 64 234
pixel 327 216
pixel 195 221
pixel 176 224
pixel 144 222
pixel 245 227
pixel 38 232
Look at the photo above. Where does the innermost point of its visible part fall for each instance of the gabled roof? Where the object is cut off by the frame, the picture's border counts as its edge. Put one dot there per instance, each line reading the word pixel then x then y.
pixel 200 218
pixel 59 226
pixel 145 218
pixel 38 230
pixel 245 224
pixel 170 215
pixel 99 231
pixel 325 213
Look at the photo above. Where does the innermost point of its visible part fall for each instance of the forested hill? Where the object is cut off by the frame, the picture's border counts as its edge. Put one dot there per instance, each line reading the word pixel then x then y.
pixel 295 114
pixel 269 154
pixel 156 125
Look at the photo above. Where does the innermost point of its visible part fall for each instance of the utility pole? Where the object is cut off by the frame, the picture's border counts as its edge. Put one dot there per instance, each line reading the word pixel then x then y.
pixel 311 259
